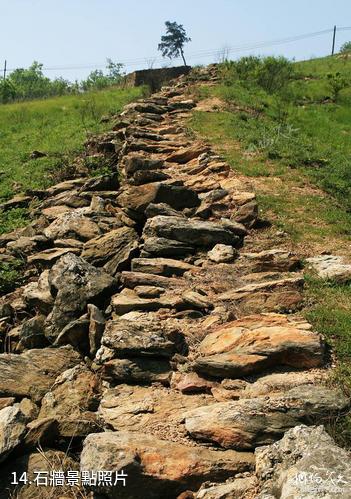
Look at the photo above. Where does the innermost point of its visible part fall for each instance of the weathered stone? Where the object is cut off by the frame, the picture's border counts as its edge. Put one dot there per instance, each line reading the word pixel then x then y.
pixel 331 267
pixel 32 333
pixel 127 301
pixel 197 300
pixel 74 225
pixel 72 401
pixel 147 177
pixel 277 295
pixel 139 197
pixel 247 423
pixel 135 162
pixel 256 342
pixel 305 463
pixel 12 429
pixel 194 232
pixel 16 202
pixel 75 333
pixel 107 182
pixel 51 255
pixel 37 294
pixel 187 154
pixel 6 402
pixel 190 383
pixel 40 432
pixel 137 370
pixel 160 266
pixel 162 247
pixel 96 328
pixel 31 373
pixel 139 336
pixel 133 279
pixel 222 253
pixel 154 210
pixel 112 250
pixel 240 488
pixel 149 291
pixel 271 260
pixel 76 283
pixel 163 468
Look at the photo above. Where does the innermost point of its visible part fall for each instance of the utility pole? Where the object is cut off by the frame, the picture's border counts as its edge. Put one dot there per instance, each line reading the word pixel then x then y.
pixel 5 67
pixel 334 36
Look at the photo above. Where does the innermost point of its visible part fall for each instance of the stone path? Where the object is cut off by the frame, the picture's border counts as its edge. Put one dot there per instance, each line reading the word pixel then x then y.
pixel 151 337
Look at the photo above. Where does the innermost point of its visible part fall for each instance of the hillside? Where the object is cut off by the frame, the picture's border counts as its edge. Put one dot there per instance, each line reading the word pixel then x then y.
pixel 174 319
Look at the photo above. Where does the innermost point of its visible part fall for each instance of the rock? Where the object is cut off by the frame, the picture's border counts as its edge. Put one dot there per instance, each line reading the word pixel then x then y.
pixel 31 373
pixel 96 328
pixel 197 300
pixel 108 182
pixel 304 463
pixel 40 432
pixel 51 255
pixel 248 423
pixel 72 401
pixel 16 202
pixel 163 468
pixel 149 291
pixel 194 232
pixel 272 260
pixel 147 177
pixel 137 162
pixel 277 295
pixel 37 294
pixel 154 210
pixel 113 250
pixel 12 429
pixel 76 333
pixel 128 300
pixel 75 283
pixel 6 402
pixel 237 489
pixel 32 333
pixel 331 267
pixel 140 336
pixel 176 196
pixel 186 154
pixel 160 266
pixel 137 370
pixel 190 383
pixel 222 253
pixel 134 279
pixel 72 224
pixel 256 342
pixel 162 247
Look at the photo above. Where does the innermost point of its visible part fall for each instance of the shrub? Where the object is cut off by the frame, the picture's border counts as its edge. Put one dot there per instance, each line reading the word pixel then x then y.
pixel 346 48
pixel 274 74
pixel 336 83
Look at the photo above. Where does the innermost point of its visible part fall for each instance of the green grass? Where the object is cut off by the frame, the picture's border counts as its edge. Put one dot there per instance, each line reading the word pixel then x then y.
pixel 55 126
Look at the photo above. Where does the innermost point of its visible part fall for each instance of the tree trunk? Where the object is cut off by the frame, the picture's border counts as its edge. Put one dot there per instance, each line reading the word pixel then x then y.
pixel 182 53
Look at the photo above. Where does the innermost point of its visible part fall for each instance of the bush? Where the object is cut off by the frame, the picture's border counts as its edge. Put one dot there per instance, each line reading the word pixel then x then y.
pixel 336 83
pixel 274 74
pixel 346 48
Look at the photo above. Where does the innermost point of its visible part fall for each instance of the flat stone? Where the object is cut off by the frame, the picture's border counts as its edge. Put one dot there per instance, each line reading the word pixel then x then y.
pixel 51 255
pixel 253 343
pixel 248 423
pixel 113 250
pixel 161 266
pixel 162 247
pixel 127 301
pixel 38 295
pixel 74 225
pixel 137 370
pixel 32 373
pixel 237 489
pixel 274 260
pixel 331 267
pixel 163 468
pixel 194 232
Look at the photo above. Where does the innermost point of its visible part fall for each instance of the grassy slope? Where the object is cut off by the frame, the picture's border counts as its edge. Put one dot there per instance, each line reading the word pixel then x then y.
pixel 56 126
pixel 299 163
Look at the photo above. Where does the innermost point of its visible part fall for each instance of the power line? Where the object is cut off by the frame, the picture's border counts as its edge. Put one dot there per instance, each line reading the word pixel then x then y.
pixel 202 53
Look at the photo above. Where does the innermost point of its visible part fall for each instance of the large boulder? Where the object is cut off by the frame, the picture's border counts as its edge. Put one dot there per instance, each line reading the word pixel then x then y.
pixel 248 423
pixel 307 463
pixel 32 373
pixel 75 283
pixel 253 343
pixel 163 468
pixel 112 250
pixel 331 267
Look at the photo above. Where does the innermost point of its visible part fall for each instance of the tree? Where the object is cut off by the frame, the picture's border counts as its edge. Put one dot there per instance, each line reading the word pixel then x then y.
pixel 346 48
pixel 172 43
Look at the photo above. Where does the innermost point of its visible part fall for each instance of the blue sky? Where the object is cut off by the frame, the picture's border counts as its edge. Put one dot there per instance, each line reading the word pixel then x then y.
pixel 70 33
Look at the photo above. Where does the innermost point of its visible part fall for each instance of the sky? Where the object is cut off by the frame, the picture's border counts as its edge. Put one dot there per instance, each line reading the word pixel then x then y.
pixel 74 37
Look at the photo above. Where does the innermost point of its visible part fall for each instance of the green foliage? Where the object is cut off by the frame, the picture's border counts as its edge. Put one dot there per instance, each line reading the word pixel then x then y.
pixel 172 44
pixel 10 275
pixel 97 80
pixel 7 91
pixel 13 219
pixel 336 83
pixel 346 48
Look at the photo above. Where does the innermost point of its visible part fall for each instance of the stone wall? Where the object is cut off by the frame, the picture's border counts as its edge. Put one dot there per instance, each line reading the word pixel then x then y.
pixel 155 78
